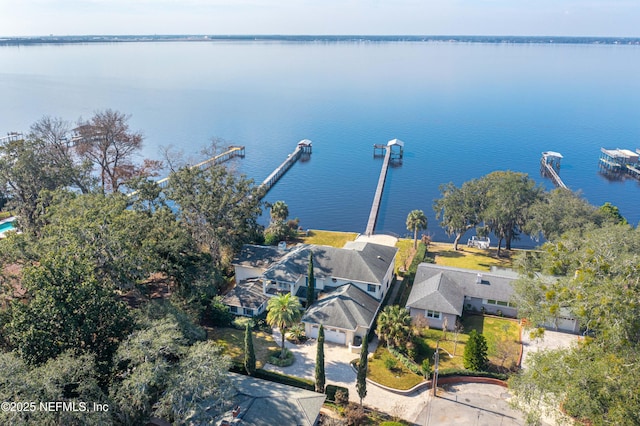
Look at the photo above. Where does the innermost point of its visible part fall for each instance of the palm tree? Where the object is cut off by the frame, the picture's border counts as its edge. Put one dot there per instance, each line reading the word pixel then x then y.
pixel 283 311
pixel 416 221
pixel 394 325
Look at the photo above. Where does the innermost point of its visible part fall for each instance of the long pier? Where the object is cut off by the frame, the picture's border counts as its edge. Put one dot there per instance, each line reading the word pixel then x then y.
pixel 388 157
pixel 549 162
pixel 303 147
pixel 231 152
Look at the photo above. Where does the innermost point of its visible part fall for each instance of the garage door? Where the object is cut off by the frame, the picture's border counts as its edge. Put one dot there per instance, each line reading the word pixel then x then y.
pixel 335 336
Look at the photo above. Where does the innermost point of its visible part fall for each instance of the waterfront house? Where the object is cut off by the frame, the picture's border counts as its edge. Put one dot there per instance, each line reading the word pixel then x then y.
pixel 350 282
pixel 441 292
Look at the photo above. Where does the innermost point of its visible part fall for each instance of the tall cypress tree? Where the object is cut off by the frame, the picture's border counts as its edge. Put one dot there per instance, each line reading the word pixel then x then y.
pixel 320 377
pixel 249 353
pixel 311 282
pixel 361 383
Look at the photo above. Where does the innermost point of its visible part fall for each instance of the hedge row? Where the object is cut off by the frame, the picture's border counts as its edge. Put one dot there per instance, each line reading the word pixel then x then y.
pixel 272 376
pixel 412 366
pixel 445 372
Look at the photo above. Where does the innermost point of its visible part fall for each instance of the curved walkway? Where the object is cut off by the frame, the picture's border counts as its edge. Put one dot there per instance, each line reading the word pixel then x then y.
pixel 339 372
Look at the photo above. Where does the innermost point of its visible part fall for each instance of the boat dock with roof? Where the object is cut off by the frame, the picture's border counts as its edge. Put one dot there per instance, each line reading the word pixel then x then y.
pixel 620 162
pixel 393 150
pixel 550 166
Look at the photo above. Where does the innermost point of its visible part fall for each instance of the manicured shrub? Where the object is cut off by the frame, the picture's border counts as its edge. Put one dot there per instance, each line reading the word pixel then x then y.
pixel 335 393
pixel 297 382
pixel 274 358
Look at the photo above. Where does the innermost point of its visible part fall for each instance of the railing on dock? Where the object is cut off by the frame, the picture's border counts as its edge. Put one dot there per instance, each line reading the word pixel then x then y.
pixel 303 147
pixel 549 164
pixel 231 152
pixel 616 163
pixel 392 153
pixel 11 137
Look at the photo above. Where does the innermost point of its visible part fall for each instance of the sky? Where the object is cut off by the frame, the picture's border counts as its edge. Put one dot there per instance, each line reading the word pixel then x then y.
pixel 615 18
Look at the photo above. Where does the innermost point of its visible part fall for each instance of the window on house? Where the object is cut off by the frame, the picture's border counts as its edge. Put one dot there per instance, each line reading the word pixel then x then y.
pixel 498 303
pixel 433 314
pixel 372 288
pixel 233 309
pixel 335 280
pixel 248 312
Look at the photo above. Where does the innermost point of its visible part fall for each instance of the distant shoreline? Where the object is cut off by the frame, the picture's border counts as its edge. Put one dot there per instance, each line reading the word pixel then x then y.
pixel 85 39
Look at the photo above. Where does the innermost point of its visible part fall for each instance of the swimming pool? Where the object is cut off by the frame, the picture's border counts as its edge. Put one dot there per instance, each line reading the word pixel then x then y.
pixel 7 226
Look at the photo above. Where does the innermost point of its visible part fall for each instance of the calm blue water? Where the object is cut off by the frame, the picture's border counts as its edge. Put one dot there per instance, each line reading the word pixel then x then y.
pixel 463 110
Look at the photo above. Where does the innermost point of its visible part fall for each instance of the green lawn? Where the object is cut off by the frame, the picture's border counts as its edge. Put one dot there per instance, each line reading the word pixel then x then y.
pixel 398 378
pixel 503 341
pixel 405 254
pixel 467 257
pixel 233 341
pixel 328 238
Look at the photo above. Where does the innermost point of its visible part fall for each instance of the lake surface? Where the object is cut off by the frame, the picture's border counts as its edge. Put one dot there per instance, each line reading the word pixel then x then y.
pixel 462 109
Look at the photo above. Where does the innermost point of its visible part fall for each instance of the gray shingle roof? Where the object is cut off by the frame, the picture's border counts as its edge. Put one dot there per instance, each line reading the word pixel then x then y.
pixel 247 294
pixel 436 285
pixel 258 256
pixel 347 307
pixel 265 403
pixel 437 293
pixel 363 262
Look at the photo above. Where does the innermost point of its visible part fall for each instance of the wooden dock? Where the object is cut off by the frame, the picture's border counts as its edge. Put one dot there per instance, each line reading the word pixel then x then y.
pixel 231 152
pixel 390 155
pixel 549 166
pixel 617 163
pixel 11 137
pixel 303 147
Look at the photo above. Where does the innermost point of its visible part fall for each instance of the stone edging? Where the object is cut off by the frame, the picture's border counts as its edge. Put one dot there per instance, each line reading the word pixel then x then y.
pixel 441 381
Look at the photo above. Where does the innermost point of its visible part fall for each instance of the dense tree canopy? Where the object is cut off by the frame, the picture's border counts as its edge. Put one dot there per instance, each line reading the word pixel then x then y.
pixel 460 208
pixel 68 309
pixel 596 278
pixel 218 208
pixel 558 212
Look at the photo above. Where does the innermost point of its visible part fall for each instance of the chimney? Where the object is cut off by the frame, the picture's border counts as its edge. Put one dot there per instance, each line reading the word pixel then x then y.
pixel 479 278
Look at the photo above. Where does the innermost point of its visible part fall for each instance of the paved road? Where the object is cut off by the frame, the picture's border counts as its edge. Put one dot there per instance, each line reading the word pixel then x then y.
pixel 470 404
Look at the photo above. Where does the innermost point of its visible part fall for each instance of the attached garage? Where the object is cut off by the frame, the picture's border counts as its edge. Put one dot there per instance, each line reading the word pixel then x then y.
pixel 345 313
pixel 333 335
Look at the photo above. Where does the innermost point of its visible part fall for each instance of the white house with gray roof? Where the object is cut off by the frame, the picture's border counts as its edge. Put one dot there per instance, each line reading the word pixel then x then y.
pixel 441 292
pixel 365 266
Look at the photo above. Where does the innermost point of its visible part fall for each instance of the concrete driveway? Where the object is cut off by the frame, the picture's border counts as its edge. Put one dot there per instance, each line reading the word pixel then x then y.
pixel 550 340
pixel 470 404
pixel 339 372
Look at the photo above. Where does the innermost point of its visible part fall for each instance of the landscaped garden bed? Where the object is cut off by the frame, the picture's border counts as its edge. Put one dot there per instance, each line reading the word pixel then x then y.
pixel 503 342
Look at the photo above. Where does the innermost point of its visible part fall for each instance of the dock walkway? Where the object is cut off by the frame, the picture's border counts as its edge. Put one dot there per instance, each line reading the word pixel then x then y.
pixel 303 147
pixel 231 152
pixel 389 156
pixel 549 162
pixel 375 207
